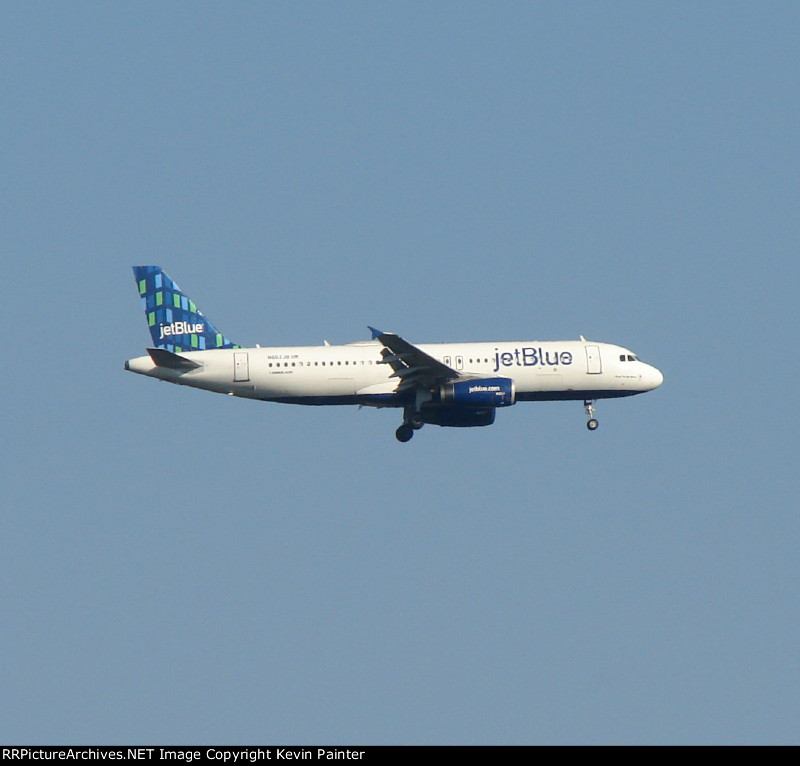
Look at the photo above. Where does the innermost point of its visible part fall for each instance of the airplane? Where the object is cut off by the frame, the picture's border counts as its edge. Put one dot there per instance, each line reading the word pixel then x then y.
pixel 443 384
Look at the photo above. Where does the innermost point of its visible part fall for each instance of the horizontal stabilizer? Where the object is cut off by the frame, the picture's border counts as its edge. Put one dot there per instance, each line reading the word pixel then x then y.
pixel 163 358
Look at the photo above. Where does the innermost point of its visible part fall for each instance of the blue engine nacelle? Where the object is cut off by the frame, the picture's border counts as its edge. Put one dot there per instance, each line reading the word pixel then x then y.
pixel 481 392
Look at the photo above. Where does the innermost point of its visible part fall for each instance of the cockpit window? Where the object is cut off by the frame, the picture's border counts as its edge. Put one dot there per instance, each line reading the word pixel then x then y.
pixel 628 358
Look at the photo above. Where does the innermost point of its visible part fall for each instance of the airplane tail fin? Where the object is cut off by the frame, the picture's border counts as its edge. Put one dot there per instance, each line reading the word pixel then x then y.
pixel 175 322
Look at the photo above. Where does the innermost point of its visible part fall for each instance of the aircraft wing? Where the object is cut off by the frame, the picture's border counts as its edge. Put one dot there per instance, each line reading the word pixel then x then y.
pixel 412 366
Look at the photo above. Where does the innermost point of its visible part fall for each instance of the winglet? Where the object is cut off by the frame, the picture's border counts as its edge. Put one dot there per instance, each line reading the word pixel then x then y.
pixel 375 333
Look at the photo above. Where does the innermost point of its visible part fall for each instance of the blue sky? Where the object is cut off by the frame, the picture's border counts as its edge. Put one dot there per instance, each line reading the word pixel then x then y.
pixel 183 567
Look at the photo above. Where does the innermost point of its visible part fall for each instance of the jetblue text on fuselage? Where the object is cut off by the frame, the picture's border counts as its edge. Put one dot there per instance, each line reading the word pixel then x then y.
pixel 529 356
pixel 181 328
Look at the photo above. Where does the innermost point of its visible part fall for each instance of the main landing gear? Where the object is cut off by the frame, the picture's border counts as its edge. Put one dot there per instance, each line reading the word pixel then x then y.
pixel 411 422
pixel 588 406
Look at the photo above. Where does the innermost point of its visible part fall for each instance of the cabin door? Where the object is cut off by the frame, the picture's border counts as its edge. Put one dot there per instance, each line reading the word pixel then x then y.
pixel 594 365
pixel 241 367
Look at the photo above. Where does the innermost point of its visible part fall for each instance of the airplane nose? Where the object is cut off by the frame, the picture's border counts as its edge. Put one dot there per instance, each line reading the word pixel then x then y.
pixel 654 377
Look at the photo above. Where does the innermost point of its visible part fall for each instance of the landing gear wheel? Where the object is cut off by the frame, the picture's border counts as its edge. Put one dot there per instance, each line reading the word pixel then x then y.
pixel 404 433
pixel 588 406
pixel 413 417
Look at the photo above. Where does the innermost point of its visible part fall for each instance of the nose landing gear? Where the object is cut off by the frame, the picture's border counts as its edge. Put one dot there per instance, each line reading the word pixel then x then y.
pixel 588 406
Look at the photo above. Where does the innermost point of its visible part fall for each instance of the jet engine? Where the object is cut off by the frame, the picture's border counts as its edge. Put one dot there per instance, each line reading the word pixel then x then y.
pixel 479 392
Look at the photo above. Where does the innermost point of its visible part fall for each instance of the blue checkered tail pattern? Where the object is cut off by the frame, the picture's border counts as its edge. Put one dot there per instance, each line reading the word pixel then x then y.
pixel 175 322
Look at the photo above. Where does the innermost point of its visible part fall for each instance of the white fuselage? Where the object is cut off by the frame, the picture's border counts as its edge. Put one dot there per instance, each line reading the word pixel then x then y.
pixel 355 374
